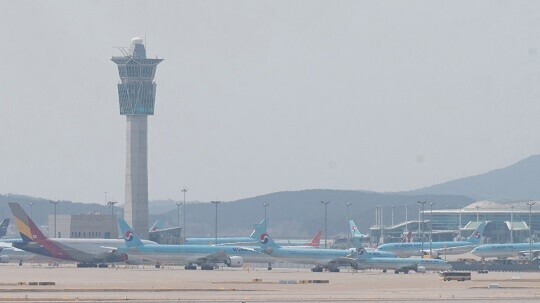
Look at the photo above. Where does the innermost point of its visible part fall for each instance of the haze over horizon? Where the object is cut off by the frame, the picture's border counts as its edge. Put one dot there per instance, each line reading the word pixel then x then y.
pixel 260 98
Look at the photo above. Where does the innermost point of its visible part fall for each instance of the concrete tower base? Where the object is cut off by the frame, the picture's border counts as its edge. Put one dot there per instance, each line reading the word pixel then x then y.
pixel 136 207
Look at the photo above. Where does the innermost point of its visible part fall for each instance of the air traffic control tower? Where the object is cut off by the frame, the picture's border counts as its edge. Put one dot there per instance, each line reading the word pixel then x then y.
pixel 137 94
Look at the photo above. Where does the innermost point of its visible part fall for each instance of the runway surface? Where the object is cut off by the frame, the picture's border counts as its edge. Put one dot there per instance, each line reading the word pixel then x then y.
pixel 174 284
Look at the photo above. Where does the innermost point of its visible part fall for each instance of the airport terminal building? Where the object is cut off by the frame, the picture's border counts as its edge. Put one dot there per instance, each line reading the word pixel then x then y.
pixel 508 221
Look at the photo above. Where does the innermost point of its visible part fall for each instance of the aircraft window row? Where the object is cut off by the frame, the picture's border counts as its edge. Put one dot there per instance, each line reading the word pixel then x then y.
pixel 90 234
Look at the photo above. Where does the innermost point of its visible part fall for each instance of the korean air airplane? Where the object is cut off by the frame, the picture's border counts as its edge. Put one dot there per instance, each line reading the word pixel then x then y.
pixel 206 256
pixel 357 258
pixel 86 252
pixel 503 251
pixel 367 260
pixel 253 239
pixel 438 248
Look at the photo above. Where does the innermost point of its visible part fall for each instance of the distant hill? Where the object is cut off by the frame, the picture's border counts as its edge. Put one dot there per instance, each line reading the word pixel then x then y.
pixel 293 214
pixel 517 181
pixel 300 213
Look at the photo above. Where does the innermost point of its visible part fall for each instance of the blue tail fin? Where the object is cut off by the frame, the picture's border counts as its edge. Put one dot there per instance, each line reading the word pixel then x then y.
pixel 360 251
pixel 354 230
pixel 258 229
pixel 130 238
pixel 264 239
pixel 3 227
pixel 476 236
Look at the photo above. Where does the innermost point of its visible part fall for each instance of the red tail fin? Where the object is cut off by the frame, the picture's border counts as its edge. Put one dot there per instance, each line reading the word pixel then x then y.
pixel 316 240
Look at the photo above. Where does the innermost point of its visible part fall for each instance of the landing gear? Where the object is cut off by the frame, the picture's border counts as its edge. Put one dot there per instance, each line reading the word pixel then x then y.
pixel 269 266
pixel 158 265
pixel 86 265
pixel 207 267
pixel 190 267
pixel 384 270
pixel 396 271
pixel 103 265
pixel 334 269
pixel 20 263
pixel 317 269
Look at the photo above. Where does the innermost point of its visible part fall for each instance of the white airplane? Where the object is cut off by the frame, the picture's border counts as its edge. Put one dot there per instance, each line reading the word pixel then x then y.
pixel 86 252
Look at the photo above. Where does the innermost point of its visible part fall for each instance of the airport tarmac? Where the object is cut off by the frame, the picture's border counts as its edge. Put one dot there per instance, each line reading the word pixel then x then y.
pixel 174 284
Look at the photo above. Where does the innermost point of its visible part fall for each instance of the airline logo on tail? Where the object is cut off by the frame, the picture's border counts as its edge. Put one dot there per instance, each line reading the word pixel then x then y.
pixel 360 250
pixel 264 238
pixel 128 235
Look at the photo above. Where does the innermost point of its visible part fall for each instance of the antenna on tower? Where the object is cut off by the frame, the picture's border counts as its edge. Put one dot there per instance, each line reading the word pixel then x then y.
pixel 124 51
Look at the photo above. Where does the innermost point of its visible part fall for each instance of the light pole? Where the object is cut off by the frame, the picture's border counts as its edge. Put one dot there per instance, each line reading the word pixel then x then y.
pixel 348 219
pixel 265 206
pixel 377 215
pixel 420 227
pixel 325 222
pixel 54 203
pixel 406 217
pixel 459 224
pixel 111 204
pixel 477 214
pixel 530 229
pixel 184 190
pixel 431 226
pixel 216 204
pixel 393 206
pixel 31 204
pixel 512 224
pixel 382 224
pixel 178 212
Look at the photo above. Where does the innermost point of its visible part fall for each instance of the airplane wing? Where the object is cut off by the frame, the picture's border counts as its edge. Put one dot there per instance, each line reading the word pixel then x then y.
pixel 217 257
pixel 341 261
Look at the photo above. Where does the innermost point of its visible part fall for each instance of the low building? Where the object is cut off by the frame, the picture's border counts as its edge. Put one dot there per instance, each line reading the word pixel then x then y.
pixel 93 225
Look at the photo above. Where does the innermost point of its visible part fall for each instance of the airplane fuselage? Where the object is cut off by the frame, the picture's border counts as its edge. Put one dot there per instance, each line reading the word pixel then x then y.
pixel 417 249
pixel 503 251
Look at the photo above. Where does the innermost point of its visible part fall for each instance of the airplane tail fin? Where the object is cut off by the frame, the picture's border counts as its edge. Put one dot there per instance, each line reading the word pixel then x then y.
pixel 264 239
pixel 357 240
pixel 3 227
pixel 476 236
pixel 315 242
pixel 159 225
pixel 27 228
pixel 407 238
pixel 130 238
pixel 354 230
pixel 259 229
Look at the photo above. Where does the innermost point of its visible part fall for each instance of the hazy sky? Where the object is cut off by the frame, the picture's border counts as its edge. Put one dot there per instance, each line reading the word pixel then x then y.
pixel 261 96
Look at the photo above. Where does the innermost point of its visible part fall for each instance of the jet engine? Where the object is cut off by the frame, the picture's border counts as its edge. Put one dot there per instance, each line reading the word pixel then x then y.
pixel 4 259
pixel 234 261
pixel 132 260
pixel 421 269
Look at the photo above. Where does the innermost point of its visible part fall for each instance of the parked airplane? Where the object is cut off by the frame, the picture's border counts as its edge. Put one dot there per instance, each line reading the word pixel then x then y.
pixel 368 260
pixel 437 248
pixel 205 256
pixel 503 251
pixel 253 240
pixel 87 252
pixel 355 232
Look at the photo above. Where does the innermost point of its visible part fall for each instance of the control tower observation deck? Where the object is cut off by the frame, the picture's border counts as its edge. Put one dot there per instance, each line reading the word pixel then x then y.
pixel 137 94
